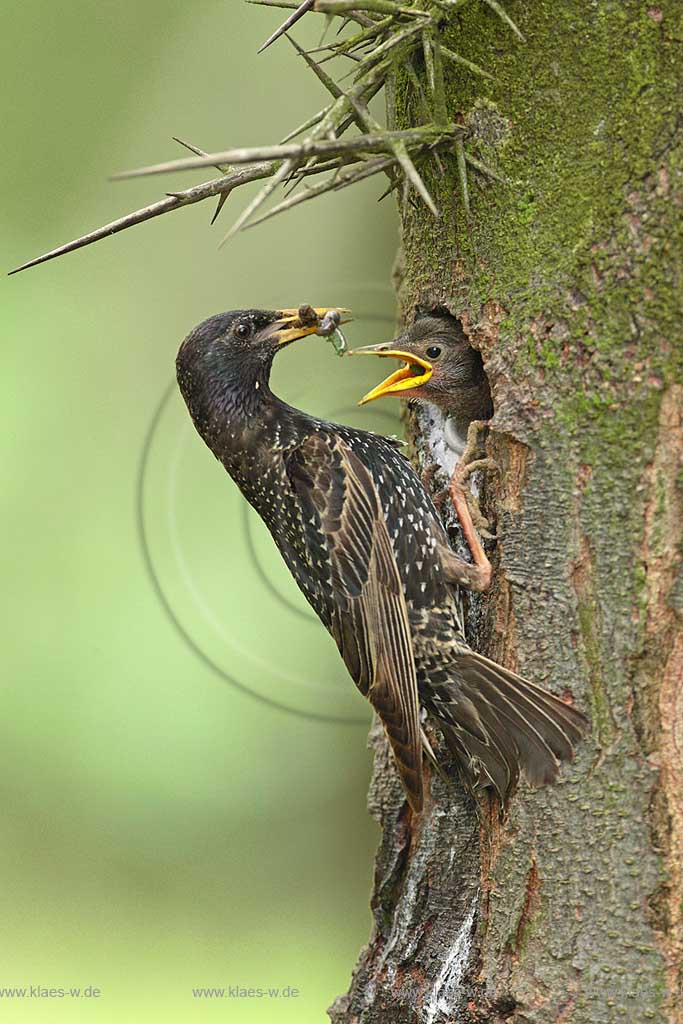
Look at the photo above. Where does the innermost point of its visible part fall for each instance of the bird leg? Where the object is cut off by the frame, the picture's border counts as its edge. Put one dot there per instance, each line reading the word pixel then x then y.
pixel 467 508
pixel 479 520
pixel 467 464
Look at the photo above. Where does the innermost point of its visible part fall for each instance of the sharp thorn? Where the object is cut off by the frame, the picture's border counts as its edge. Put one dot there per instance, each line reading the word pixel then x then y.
pixel 479 166
pixel 457 59
pixel 329 84
pixel 188 145
pixel 502 13
pixel 223 168
pixel 219 206
pixel 462 174
pixel 287 24
pixel 283 171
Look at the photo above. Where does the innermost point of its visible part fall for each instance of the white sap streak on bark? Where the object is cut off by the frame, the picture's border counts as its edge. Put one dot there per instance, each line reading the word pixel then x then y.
pixel 456 962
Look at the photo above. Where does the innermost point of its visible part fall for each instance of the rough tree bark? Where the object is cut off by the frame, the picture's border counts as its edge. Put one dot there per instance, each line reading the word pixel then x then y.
pixel 569 280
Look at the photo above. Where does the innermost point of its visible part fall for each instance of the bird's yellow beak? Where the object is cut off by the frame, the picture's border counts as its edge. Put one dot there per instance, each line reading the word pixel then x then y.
pixel 415 372
pixel 298 323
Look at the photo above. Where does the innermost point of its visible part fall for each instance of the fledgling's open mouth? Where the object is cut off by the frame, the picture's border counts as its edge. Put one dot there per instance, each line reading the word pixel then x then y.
pixel 414 372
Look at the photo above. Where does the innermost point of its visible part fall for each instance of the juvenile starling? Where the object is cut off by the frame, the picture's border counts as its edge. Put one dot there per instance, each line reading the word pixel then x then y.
pixel 366 547
pixel 441 367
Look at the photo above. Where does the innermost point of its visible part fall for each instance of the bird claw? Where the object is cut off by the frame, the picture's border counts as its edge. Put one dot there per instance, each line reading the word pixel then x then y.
pixel 468 463
pixel 481 523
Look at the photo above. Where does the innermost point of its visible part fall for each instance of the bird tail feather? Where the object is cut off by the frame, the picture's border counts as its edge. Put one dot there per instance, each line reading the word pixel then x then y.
pixel 498 725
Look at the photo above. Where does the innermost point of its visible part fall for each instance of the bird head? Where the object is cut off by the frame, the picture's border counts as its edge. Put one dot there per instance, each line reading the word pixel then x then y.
pixel 247 338
pixel 438 365
pixel 225 361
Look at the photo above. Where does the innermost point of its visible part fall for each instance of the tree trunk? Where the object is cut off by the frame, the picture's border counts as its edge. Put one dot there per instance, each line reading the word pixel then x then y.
pixel 569 279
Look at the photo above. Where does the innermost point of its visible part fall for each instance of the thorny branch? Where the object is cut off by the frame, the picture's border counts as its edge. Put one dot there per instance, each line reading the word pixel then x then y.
pixel 386 35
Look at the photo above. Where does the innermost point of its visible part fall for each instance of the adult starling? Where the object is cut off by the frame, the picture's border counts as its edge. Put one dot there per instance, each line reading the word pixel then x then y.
pixel 441 367
pixel 366 547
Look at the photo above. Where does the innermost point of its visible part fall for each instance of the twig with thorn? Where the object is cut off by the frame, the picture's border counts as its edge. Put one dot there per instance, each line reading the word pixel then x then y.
pixel 223 168
pixel 372 142
pixel 389 34
pixel 342 180
pixel 376 6
pixel 219 186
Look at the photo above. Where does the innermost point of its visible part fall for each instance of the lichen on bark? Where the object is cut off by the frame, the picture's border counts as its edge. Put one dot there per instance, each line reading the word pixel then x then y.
pixel 569 280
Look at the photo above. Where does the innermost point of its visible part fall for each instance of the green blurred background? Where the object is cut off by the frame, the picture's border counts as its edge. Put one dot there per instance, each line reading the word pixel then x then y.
pixel 162 828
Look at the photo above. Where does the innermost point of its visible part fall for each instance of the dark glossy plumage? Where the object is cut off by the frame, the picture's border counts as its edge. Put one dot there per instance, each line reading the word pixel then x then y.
pixel 366 546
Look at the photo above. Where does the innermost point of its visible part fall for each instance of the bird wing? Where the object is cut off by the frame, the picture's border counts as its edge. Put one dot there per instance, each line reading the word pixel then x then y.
pixel 348 542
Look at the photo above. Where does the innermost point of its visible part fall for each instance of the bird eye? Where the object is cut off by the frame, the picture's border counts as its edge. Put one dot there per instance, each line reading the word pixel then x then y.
pixel 243 330
pixel 433 352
